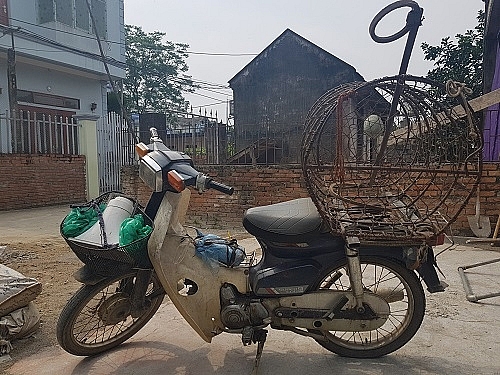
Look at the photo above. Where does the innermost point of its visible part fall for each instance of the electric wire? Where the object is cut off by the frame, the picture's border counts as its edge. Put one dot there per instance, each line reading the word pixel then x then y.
pixel 200 84
pixel 235 54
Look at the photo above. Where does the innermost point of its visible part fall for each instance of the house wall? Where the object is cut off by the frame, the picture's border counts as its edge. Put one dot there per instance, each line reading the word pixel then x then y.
pixel 273 94
pixel 256 186
pixel 50 81
pixel 70 64
pixel 40 180
pixel 57 59
pixel 25 15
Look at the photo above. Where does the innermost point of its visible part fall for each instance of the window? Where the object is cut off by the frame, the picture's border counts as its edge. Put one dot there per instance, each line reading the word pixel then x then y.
pixel 64 12
pixel 4 15
pixel 74 13
pixel 47 99
pixel 82 15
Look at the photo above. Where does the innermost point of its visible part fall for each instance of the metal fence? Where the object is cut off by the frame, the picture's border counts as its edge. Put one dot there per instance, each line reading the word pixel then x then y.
pixel 38 133
pixel 206 143
pixel 115 145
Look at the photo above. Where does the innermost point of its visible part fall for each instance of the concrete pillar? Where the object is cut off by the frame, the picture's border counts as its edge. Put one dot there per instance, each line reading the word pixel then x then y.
pixel 88 147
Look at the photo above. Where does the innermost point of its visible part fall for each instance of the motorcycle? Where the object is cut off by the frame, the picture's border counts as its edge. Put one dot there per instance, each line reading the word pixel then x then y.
pixel 356 300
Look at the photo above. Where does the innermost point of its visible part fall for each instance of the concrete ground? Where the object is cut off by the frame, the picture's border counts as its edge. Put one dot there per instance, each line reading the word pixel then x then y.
pixel 456 337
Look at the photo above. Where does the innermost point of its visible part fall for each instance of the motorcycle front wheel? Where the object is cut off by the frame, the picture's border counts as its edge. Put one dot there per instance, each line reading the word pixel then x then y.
pixel 98 317
pixel 403 291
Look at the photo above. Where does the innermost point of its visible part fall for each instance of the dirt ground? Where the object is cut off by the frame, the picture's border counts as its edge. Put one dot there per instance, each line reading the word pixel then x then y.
pixel 42 254
pixel 35 249
pixel 51 263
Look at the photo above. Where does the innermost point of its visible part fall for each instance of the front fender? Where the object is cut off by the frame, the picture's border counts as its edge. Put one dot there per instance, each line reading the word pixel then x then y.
pixel 87 276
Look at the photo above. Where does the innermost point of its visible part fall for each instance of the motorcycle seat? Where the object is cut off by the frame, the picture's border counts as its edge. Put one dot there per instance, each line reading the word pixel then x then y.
pixel 291 218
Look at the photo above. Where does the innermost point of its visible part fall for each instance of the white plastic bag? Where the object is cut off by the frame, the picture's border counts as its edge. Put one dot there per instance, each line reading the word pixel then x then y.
pixel 16 290
pixel 19 323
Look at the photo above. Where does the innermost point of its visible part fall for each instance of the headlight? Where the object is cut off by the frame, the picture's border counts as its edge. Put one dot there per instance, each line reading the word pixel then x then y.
pixel 151 173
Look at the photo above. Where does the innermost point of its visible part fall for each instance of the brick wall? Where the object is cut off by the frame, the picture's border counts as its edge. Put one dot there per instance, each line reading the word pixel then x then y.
pixel 40 180
pixel 489 201
pixel 255 186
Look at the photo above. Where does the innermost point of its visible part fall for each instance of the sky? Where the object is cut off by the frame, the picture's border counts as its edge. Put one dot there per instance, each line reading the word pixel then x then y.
pixel 225 35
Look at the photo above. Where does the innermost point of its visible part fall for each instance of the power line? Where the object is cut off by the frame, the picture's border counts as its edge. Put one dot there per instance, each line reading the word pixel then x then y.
pixel 65 31
pixel 205 96
pixel 203 85
pixel 231 54
pixel 30 35
pixel 221 54
pixel 210 105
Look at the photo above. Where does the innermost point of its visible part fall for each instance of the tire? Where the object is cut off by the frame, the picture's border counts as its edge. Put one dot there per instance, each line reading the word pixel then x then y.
pixel 402 290
pixel 97 317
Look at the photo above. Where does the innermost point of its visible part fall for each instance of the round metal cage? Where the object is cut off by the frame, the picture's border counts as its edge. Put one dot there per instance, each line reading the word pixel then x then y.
pixel 395 170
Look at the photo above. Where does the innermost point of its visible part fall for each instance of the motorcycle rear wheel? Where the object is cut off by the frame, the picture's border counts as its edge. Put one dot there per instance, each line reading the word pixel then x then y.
pixel 97 318
pixel 402 290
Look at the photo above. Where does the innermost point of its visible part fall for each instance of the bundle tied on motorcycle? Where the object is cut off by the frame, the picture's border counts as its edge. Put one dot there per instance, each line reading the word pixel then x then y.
pixel 216 250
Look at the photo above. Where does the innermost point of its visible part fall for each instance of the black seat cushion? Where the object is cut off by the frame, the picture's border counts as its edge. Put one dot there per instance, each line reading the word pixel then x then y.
pixel 295 217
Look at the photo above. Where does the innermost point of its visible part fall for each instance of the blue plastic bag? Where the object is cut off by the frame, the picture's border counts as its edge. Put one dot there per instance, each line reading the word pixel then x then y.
pixel 213 248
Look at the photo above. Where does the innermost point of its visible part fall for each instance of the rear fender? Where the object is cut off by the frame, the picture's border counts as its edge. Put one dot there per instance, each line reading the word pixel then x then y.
pixel 426 269
pixel 427 272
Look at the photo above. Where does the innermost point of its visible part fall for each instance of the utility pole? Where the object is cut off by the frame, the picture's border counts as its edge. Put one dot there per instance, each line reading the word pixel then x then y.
pixel 11 78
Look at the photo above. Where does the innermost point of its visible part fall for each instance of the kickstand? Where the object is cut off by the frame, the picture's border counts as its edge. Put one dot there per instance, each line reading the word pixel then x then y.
pixel 260 338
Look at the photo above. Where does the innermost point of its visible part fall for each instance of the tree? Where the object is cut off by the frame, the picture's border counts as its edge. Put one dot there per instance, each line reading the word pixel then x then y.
pixel 460 60
pixel 155 79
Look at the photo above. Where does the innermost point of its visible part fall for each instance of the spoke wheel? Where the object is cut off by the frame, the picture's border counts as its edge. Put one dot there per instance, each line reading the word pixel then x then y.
pixel 98 317
pixel 403 291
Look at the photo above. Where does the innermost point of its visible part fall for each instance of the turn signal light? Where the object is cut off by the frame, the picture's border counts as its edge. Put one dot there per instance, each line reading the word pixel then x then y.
pixel 141 149
pixel 175 181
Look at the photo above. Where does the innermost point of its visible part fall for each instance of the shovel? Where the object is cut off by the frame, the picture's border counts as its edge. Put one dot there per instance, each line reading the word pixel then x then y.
pixel 480 225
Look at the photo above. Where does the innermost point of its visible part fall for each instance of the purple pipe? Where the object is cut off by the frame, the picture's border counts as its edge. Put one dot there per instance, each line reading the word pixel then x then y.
pixel 491 151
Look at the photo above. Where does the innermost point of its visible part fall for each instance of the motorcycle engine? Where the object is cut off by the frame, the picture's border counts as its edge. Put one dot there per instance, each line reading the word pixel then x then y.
pixel 238 311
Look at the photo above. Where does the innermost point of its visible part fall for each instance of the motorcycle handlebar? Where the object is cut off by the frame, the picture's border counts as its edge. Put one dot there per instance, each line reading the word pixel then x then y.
pixel 191 176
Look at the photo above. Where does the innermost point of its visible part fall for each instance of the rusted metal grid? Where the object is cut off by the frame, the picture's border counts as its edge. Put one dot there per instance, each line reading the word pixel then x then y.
pixel 406 182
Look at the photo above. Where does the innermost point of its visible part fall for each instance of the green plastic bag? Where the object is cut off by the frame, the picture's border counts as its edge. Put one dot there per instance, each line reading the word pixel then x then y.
pixel 79 220
pixel 133 229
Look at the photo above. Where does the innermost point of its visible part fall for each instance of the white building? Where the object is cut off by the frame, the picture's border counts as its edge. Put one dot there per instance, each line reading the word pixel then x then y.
pixel 58 65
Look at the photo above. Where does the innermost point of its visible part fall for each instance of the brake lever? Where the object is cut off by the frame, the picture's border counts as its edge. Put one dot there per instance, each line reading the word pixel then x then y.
pixel 201 181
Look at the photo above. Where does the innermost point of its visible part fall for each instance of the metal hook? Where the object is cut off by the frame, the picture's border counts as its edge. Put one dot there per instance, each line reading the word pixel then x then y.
pixel 413 22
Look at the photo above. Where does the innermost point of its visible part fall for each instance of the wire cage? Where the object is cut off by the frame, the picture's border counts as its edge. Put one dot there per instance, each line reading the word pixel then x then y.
pixel 394 159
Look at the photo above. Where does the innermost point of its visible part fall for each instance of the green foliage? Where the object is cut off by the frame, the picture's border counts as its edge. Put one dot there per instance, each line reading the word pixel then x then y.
pixel 155 79
pixel 114 103
pixel 460 60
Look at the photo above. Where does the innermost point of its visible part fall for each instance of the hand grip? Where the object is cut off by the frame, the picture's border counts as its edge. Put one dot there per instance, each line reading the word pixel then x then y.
pixel 229 190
